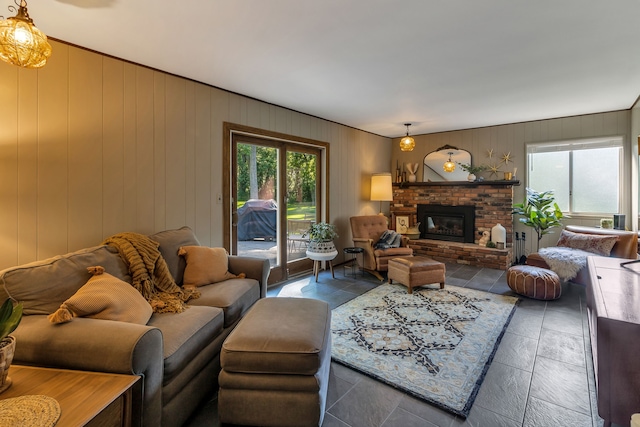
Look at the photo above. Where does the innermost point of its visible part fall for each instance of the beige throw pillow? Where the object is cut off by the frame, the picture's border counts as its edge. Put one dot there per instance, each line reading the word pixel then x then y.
pixel 104 297
pixel 597 244
pixel 205 265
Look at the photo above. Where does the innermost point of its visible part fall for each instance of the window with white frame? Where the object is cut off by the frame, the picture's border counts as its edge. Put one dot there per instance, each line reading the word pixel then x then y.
pixel 585 174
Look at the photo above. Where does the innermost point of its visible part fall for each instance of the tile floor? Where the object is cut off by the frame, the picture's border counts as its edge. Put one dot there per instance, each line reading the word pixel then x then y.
pixel 542 374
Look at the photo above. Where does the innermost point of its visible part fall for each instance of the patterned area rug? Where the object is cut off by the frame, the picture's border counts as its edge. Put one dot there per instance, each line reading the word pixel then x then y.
pixel 433 344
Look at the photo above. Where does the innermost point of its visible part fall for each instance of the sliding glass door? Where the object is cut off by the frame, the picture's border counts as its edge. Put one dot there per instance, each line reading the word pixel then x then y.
pixel 275 194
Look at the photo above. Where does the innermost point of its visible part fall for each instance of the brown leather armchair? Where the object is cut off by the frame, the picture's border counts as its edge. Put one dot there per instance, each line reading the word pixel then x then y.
pixel 366 231
pixel 625 247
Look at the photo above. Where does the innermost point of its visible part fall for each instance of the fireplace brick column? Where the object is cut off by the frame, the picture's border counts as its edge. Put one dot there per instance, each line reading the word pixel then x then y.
pixel 493 201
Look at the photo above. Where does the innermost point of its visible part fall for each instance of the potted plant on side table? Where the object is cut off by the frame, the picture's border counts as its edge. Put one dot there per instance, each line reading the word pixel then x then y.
pixel 321 247
pixel 321 237
pixel 10 317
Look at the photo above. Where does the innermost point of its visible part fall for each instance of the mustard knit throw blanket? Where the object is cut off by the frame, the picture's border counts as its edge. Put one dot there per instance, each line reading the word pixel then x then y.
pixel 150 274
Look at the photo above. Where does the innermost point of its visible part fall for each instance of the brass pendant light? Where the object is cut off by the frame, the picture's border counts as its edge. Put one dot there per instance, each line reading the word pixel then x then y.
pixel 449 166
pixel 407 143
pixel 21 43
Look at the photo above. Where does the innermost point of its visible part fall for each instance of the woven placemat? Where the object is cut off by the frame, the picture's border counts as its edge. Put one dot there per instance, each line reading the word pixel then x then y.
pixel 29 411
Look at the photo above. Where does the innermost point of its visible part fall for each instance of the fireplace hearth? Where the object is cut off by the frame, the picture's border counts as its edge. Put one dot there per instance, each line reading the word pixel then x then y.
pixel 449 223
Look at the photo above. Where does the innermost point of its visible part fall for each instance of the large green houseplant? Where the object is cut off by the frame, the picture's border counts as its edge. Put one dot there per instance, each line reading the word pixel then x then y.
pixel 539 211
pixel 10 317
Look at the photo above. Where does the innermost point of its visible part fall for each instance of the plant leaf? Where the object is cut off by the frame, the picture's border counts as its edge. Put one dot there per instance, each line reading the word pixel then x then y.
pixel 6 310
pixel 9 323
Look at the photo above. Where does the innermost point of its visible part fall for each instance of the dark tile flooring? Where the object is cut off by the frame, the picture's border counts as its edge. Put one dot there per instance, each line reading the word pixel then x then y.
pixel 542 373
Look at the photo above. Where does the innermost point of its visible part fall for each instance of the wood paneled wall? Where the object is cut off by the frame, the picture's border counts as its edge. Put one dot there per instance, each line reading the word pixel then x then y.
pixel 512 138
pixel 91 146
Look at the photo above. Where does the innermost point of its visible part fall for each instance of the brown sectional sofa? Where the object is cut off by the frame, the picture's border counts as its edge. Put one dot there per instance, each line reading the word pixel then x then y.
pixel 177 355
pixel 625 247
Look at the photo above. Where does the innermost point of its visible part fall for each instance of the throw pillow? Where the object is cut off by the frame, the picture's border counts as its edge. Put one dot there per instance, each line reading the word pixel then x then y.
pixel 205 265
pixel 594 243
pixel 170 241
pixel 104 297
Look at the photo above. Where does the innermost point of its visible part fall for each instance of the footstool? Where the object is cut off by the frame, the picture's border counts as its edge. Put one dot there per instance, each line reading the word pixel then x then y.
pixel 275 364
pixel 416 271
pixel 534 282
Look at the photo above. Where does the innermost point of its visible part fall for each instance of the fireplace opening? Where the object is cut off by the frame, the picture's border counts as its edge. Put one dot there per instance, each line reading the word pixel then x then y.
pixel 451 223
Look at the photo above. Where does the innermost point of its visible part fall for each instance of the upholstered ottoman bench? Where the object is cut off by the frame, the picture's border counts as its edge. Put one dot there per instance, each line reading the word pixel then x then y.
pixel 416 271
pixel 534 282
pixel 275 364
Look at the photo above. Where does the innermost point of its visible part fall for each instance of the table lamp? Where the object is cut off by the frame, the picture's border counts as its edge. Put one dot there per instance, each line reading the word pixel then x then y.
pixel 381 189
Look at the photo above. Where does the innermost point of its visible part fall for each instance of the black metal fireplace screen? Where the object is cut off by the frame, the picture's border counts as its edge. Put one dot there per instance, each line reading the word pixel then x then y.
pixel 451 223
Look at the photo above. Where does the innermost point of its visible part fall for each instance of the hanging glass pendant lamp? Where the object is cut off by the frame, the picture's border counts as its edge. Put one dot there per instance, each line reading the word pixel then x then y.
pixel 407 143
pixel 449 166
pixel 21 43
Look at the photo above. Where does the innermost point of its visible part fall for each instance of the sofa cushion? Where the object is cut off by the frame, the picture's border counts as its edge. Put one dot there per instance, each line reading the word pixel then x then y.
pixel 185 335
pixel 43 285
pixel 234 296
pixel 290 336
pixel 390 252
pixel 205 265
pixel 105 297
pixel 170 242
pixel 593 243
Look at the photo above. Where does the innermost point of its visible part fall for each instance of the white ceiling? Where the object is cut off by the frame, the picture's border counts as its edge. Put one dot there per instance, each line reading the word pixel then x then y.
pixel 376 64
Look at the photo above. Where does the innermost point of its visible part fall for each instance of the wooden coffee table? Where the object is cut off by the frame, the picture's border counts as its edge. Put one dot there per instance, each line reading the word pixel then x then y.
pixel 85 398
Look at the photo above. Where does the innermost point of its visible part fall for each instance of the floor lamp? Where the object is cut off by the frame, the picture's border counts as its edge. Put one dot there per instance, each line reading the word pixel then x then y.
pixel 381 189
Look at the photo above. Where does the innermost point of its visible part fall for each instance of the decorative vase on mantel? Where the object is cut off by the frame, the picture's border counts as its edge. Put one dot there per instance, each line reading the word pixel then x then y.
pixel 471 177
pixel 412 168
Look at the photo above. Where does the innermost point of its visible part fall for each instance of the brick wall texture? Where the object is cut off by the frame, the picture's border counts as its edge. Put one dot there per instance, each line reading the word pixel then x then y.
pixel 493 203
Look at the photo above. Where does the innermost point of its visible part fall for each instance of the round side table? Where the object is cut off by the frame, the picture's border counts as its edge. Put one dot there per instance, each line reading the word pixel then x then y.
pixel 353 262
pixel 318 257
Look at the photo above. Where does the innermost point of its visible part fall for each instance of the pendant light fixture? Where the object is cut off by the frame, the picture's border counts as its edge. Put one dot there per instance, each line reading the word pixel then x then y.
pixel 449 166
pixel 407 143
pixel 21 43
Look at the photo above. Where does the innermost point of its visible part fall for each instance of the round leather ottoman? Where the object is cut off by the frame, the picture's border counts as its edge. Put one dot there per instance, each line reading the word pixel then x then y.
pixel 534 282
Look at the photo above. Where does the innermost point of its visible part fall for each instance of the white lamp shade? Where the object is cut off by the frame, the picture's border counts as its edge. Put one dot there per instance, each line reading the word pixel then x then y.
pixel 381 188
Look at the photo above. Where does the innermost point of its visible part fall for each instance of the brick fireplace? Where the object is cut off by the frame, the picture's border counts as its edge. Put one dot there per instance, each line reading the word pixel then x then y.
pixel 492 200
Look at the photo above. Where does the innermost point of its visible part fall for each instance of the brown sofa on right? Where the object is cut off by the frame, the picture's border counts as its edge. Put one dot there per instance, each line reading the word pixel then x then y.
pixel 625 247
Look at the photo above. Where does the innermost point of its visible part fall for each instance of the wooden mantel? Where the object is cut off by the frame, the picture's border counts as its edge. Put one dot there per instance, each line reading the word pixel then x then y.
pixel 456 183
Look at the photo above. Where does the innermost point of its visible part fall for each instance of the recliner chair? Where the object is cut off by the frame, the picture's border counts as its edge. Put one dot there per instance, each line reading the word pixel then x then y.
pixel 366 231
